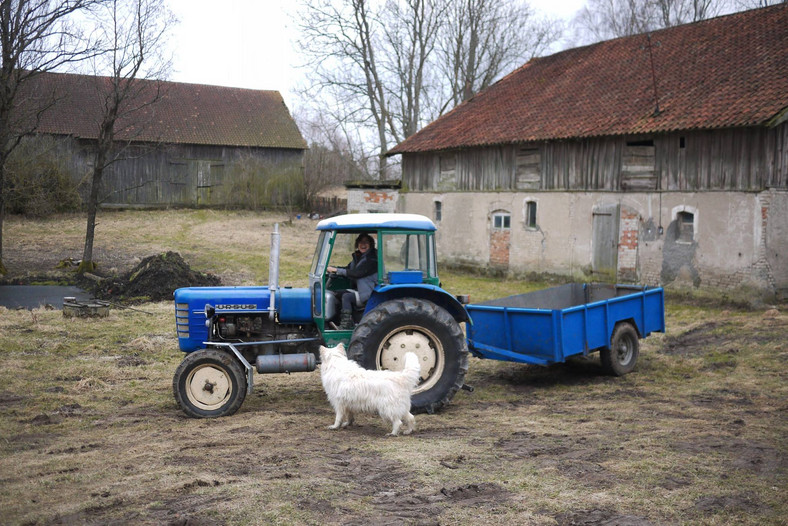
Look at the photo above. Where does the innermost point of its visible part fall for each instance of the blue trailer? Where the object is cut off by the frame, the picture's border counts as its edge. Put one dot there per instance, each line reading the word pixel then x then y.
pixel 551 325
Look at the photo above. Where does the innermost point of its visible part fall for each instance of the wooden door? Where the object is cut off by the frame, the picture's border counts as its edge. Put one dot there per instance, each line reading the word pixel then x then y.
pixel 604 241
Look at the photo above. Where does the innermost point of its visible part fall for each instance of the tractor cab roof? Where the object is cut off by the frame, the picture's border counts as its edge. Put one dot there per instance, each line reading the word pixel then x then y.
pixel 365 222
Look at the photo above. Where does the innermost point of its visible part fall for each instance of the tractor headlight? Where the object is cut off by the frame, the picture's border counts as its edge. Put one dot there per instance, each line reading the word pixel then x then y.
pixel 209 311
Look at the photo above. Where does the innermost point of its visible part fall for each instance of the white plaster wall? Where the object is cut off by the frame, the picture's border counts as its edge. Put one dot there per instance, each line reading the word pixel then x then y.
pixel 727 230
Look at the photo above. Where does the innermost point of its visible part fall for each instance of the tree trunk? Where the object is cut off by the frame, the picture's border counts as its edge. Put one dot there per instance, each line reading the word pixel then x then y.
pixel 87 264
pixel 3 270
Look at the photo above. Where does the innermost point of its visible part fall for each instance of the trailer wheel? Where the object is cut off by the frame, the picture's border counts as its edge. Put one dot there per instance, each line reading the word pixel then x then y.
pixel 622 355
pixel 209 383
pixel 395 327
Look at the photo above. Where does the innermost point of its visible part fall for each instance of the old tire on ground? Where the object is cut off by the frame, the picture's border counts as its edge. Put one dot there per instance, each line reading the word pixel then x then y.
pixel 398 326
pixel 209 383
pixel 622 355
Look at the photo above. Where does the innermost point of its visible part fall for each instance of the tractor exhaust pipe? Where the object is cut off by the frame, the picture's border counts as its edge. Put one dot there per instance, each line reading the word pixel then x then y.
pixel 273 271
pixel 285 363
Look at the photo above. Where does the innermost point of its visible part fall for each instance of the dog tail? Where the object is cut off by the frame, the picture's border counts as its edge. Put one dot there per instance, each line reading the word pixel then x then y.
pixel 412 369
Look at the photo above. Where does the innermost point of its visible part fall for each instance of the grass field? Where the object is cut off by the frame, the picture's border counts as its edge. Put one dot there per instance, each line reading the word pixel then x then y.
pixel 91 433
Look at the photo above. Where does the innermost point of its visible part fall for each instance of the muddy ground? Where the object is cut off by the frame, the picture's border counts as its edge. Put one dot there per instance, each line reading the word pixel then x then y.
pixel 563 445
pixel 696 435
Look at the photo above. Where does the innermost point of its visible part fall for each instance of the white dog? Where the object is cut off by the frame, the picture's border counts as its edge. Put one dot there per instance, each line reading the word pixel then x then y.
pixel 352 389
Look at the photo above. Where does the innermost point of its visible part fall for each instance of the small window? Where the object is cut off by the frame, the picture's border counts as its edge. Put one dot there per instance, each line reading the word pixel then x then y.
pixel 530 214
pixel 438 212
pixel 646 142
pixel 501 221
pixel 686 224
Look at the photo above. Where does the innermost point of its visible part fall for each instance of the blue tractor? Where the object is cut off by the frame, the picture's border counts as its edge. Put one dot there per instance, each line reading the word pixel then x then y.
pixel 228 332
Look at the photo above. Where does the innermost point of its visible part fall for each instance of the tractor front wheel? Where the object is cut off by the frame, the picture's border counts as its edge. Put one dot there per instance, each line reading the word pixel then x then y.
pixel 209 383
pixel 399 326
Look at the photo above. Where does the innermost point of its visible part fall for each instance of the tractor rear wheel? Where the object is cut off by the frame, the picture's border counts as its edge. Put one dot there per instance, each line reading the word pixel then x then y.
pixel 209 383
pixel 395 327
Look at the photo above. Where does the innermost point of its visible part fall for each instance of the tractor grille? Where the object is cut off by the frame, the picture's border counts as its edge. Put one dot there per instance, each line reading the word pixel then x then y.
pixel 182 319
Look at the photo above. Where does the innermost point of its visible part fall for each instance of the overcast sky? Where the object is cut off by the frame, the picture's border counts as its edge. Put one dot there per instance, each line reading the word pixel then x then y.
pixel 249 43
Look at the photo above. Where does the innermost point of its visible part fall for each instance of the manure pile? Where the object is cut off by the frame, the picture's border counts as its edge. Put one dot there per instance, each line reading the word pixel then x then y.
pixel 155 278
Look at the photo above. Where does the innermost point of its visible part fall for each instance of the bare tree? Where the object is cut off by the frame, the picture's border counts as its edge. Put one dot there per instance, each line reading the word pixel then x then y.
pixel 339 37
pixel 483 39
pixel 391 66
pixel 333 156
pixel 411 34
pixel 753 4
pixel 606 19
pixel 676 12
pixel 134 32
pixel 36 36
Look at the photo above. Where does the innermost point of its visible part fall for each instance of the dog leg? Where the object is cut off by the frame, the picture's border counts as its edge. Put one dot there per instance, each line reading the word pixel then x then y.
pixel 349 419
pixel 397 423
pixel 338 420
pixel 410 424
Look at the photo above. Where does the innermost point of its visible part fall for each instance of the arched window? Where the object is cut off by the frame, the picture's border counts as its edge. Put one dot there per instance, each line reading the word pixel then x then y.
pixel 685 218
pixel 530 214
pixel 501 220
pixel 686 226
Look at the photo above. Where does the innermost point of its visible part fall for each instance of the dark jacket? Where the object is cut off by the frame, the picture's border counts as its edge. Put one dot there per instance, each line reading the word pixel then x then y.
pixel 363 272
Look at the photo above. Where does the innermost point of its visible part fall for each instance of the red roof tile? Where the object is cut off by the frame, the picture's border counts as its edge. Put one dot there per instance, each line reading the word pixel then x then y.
pixel 186 113
pixel 725 72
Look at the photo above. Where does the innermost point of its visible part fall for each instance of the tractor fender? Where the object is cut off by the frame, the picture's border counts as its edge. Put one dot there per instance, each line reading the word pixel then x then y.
pixel 431 293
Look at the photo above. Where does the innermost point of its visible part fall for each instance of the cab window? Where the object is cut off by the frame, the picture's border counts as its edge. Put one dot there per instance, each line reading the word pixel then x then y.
pixel 408 252
pixel 321 254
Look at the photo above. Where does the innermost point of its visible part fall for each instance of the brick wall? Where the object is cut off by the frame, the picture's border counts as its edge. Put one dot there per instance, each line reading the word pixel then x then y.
pixel 499 248
pixel 628 245
pixel 360 200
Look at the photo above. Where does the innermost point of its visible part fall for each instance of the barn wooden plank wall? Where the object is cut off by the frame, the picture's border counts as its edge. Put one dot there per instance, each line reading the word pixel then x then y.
pixel 179 175
pixel 738 159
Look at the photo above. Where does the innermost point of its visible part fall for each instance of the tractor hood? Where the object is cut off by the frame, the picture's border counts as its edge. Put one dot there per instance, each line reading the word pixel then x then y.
pixel 292 306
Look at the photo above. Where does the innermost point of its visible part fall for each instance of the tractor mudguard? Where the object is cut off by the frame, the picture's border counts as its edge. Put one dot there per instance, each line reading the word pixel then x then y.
pixel 431 293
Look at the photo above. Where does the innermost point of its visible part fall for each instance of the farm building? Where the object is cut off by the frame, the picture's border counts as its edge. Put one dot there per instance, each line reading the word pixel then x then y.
pixel 180 144
pixel 658 158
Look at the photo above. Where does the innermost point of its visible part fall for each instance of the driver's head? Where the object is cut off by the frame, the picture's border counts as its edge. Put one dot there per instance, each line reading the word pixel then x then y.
pixel 364 242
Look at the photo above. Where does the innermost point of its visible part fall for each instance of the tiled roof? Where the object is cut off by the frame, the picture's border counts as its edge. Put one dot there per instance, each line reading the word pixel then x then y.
pixel 724 72
pixel 186 113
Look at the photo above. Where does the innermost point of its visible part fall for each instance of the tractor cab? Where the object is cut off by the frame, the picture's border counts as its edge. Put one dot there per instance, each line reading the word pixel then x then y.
pixel 405 246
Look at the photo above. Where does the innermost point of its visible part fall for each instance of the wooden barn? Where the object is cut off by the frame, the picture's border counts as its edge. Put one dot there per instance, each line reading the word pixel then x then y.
pixel 658 158
pixel 179 144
